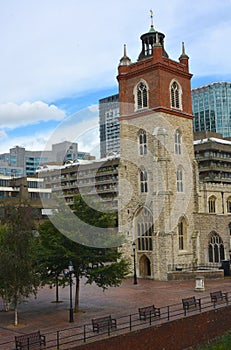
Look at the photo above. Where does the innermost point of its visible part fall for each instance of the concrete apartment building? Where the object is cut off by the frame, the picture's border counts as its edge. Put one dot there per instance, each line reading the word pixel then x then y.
pixel 213 155
pixel 96 178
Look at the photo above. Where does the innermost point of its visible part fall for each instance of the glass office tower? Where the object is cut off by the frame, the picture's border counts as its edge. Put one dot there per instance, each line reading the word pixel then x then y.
pixel 212 108
pixel 109 127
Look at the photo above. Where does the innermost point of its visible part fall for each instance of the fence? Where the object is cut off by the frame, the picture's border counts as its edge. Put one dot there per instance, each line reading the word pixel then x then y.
pixel 74 336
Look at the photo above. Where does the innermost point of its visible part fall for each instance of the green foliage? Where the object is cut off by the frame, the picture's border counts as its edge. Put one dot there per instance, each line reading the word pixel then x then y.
pixel 58 245
pixel 220 343
pixel 53 254
pixel 109 275
pixel 97 264
pixel 18 267
pixel 94 214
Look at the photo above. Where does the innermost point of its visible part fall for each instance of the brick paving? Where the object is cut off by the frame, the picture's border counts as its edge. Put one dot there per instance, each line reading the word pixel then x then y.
pixel 44 314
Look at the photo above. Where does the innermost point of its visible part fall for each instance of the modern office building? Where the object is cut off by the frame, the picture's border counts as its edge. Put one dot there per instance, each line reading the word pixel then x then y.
pixel 109 127
pixel 212 108
pixel 21 162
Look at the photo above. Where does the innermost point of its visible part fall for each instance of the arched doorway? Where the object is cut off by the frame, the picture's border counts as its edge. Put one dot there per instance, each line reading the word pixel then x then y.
pixel 145 266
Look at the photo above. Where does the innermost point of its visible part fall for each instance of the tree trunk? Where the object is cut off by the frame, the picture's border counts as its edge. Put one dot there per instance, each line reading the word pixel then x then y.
pixel 57 288
pixel 77 293
pixel 16 316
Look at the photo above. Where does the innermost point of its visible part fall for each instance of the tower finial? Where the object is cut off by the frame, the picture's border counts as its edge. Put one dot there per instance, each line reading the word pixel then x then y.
pixel 183 54
pixel 125 60
pixel 183 48
pixel 151 15
pixel 125 50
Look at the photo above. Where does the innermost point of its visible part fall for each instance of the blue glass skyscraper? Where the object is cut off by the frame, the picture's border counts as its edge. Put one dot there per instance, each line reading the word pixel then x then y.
pixel 212 108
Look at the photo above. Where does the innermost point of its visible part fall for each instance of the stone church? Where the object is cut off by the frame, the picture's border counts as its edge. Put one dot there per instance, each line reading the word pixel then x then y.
pixel 176 221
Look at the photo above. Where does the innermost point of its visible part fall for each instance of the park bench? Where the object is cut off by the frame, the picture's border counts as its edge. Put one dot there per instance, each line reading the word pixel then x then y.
pixel 148 311
pixel 191 303
pixel 218 296
pixel 30 341
pixel 103 322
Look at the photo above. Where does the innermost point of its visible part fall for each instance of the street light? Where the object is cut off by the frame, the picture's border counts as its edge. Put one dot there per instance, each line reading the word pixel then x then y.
pixel 71 268
pixel 134 260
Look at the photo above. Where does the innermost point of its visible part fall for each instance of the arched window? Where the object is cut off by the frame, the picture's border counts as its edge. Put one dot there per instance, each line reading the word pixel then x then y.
pixel 182 233
pixel 212 204
pixel 216 248
pixel 177 142
pixel 143 181
pixel 143 142
pixel 229 205
pixel 179 179
pixel 144 227
pixel 175 92
pixel 141 96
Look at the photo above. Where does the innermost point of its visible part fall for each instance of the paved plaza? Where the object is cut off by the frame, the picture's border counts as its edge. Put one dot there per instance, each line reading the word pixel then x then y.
pixel 44 314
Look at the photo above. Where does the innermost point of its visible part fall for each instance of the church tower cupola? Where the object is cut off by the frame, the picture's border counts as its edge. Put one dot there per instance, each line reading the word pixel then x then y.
pixel 149 40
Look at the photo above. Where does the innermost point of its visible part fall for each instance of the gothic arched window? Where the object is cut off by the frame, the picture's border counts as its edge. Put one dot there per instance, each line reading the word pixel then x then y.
pixel 229 205
pixel 212 204
pixel 179 179
pixel 177 142
pixel 182 233
pixel 144 227
pixel 175 92
pixel 142 142
pixel 143 181
pixel 216 248
pixel 141 96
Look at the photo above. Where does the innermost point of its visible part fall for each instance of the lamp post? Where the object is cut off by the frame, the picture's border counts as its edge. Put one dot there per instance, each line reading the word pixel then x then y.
pixel 71 313
pixel 134 261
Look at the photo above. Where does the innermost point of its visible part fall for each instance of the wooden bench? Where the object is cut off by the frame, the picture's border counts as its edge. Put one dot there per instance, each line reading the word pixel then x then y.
pixel 218 296
pixel 30 341
pixel 191 304
pixel 103 322
pixel 148 311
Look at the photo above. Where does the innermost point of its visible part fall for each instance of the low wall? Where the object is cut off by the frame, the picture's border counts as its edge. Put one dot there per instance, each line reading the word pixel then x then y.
pixel 190 275
pixel 177 334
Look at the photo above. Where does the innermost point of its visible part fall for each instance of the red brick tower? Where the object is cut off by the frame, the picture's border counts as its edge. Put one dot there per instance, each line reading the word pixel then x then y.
pixel 157 69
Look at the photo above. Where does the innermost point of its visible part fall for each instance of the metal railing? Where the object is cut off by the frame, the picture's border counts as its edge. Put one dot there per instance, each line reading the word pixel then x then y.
pixel 77 335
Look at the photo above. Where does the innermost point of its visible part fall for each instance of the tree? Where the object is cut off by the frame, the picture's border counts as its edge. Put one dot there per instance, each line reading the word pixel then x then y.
pixel 104 266
pixel 18 269
pixel 52 256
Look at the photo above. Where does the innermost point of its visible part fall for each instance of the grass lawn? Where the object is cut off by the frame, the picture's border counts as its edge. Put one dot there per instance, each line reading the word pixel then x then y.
pixel 220 343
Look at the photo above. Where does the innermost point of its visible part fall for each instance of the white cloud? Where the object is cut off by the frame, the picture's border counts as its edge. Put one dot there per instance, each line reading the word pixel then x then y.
pixel 2 134
pixel 94 108
pixel 52 49
pixel 34 142
pixel 13 115
pixel 57 49
pixel 82 127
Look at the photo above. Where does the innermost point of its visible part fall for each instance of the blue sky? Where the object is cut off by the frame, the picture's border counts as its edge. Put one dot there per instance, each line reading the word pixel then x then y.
pixel 59 57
